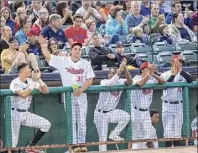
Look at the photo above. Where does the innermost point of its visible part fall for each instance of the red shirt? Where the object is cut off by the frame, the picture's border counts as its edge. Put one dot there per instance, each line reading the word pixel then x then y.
pixel 78 35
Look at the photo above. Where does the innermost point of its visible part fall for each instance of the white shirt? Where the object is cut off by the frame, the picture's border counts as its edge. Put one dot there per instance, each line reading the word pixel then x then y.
pixel 72 72
pixel 109 100
pixel 142 98
pixel 21 102
pixel 194 127
pixel 172 94
pixel 84 13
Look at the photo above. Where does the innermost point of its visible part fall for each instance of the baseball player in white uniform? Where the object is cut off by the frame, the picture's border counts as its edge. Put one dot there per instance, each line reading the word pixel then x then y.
pixel 23 87
pixel 194 127
pixel 78 71
pixel 141 100
pixel 106 111
pixel 172 108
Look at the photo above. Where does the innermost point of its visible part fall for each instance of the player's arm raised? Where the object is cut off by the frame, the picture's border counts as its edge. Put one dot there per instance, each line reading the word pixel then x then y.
pixel 44 49
pixel 159 79
pixel 129 79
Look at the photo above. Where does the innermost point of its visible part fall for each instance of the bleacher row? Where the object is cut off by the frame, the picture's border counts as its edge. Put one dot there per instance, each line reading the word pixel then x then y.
pixel 160 53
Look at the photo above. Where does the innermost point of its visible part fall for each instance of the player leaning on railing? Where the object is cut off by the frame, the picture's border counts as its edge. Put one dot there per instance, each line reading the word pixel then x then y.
pixel 141 100
pixel 172 107
pixel 106 111
pixel 23 87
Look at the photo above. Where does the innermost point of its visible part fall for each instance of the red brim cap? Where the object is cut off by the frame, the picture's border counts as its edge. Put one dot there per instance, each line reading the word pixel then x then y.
pixel 76 43
pixel 144 65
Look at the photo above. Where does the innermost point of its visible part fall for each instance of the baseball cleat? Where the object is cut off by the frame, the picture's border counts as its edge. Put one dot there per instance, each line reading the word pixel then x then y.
pixel 115 137
pixel 84 149
pixel 77 149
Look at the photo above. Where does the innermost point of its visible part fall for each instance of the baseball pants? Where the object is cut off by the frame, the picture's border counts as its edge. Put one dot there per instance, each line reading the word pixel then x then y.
pixel 79 114
pixel 27 119
pixel 102 120
pixel 142 127
pixel 172 118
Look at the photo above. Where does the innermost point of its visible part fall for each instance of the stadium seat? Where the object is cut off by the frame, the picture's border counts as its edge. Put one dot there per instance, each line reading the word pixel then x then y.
pixel 145 56
pixel 189 57
pixel 182 46
pixel 141 48
pixel 163 47
pixel 127 48
pixel 153 38
pixel 163 57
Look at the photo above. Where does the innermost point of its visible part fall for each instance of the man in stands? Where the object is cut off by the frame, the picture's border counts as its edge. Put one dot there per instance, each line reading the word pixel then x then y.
pixel 100 55
pixel 76 33
pixel 34 10
pixel 53 30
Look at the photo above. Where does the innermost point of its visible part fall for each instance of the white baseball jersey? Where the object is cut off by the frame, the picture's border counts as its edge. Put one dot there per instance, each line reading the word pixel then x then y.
pixel 109 100
pixel 142 98
pixel 17 101
pixel 172 94
pixel 194 127
pixel 80 70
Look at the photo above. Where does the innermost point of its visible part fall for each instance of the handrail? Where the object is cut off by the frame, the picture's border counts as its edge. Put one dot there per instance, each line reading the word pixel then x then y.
pixel 98 88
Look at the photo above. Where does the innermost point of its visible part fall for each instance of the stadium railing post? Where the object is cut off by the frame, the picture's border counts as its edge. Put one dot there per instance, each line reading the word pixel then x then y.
pixel 8 126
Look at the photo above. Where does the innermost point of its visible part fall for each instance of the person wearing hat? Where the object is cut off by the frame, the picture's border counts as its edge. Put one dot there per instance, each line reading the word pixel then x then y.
pixel 119 55
pixel 76 72
pixel 15 55
pixel 163 29
pixel 172 111
pixel 141 100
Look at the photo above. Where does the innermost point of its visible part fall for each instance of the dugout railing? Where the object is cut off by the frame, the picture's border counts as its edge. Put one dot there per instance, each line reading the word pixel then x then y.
pixel 96 89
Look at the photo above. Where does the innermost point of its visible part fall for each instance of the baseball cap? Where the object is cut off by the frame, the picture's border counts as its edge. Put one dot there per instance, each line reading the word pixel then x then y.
pixel 12 39
pixel 119 43
pixel 76 44
pixel 176 57
pixel 144 65
pixel 31 32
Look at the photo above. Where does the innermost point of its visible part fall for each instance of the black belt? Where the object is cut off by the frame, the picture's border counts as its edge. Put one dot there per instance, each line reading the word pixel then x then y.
pixel 103 111
pixel 173 102
pixel 19 110
pixel 140 109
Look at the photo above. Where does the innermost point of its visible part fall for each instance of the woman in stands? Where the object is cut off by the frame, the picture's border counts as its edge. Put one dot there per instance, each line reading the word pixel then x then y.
pixel 42 21
pixel 6 13
pixel 180 31
pixel 53 47
pixel 20 15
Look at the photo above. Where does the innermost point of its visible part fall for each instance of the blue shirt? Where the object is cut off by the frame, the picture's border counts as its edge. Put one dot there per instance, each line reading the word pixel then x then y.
pixel 147 11
pixel 132 21
pixel 165 39
pixel 11 24
pixel 21 37
pixel 143 39
pixel 184 33
pixel 48 33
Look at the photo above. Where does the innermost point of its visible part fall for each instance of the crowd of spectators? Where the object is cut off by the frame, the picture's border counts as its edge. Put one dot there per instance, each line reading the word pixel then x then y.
pixel 95 24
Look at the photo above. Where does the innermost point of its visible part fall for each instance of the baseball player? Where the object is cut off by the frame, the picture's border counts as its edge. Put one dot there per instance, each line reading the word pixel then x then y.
pixel 106 111
pixel 23 87
pixel 74 71
pixel 141 100
pixel 172 109
pixel 194 127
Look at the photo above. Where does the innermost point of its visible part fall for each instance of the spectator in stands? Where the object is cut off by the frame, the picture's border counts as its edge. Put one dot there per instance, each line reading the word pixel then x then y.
pixel 134 61
pixel 100 55
pixel 105 9
pixel 181 31
pixel 165 37
pixel 176 8
pixel 145 8
pixel 6 13
pixel 19 4
pixel 42 21
pixel 12 57
pixel 194 17
pixel 155 20
pixel 62 9
pixel 7 33
pixel 20 15
pixel 76 33
pixel 53 48
pixel 115 25
pixel 87 11
pixel 53 30
pixel 33 10
pixel 166 6
pixel 25 25
pixel 135 18
pixel 34 46
pixel 139 36
pixel 127 8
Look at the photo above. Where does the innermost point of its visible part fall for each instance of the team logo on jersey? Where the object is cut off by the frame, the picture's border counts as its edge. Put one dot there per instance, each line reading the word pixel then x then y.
pixel 115 93
pixel 146 91
pixel 74 71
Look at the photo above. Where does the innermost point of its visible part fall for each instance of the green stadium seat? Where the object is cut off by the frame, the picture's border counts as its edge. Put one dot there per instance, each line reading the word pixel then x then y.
pixel 163 47
pixel 141 48
pixel 145 56
pixel 153 38
pixel 163 57
pixel 189 57
pixel 181 46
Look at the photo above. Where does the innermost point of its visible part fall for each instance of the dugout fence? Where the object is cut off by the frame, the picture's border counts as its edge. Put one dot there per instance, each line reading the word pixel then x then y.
pixel 127 133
